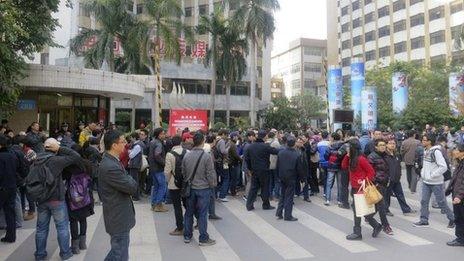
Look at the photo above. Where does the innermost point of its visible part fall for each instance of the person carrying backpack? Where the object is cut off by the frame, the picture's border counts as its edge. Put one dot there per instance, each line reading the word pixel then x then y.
pixel 173 172
pixel 45 186
pixel 79 200
pixel 334 160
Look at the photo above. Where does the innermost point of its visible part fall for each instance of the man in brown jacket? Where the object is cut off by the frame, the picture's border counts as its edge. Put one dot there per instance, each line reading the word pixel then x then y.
pixel 408 153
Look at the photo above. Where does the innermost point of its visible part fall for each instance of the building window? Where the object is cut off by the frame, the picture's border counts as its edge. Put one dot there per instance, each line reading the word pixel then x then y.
pixel 384 11
pixel 309 83
pixel 370 36
pixel 384 51
pixel 295 68
pixel 130 7
pixel 455 32
pixel 203 9
pixel 357 22
pixel 369 17
pixel 366 2
pixel 346 61
pixel 439 59
pixel 436 13
pixel 413 2
pixel 345 27
pixel 399 26
pixel 437 37
pixel 346 80
pixel 44 58
pixel 417 20
pixel 399 5
pixel 346 44
pixel 357 40
pixel 314 51
pixel 370 55
pixel 345 10
pixel 139 8
pixel 312 67
pixel 456 6
pixel 355 5
pixel 417 42
pixel 384 31
pixel 296 84
pixel 400 47
pixel 188 11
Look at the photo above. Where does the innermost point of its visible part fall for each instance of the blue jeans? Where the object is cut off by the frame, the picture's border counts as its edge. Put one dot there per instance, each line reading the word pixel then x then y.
pixel 119 247
pixel 197 203
pixel 329 184
pixel 160 187
pixel 59 211
pixel 274 184
pixel 437 190
pixel 225 180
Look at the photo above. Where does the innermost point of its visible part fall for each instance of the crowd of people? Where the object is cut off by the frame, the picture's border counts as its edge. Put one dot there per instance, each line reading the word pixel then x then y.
pixel 64 174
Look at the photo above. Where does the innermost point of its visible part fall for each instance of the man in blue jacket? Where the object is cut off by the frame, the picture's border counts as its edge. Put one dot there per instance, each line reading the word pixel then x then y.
pixel 323 147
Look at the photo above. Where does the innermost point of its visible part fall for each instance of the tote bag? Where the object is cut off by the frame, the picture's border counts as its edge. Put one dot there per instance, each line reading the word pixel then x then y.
pixel 360 203
pixel 372 194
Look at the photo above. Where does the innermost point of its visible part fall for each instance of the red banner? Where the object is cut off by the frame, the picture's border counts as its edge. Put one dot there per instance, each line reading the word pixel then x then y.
pixel 192 119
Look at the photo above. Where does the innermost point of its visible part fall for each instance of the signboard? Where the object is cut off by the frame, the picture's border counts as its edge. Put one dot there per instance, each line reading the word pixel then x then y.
pixel 399 92
pixel 357 84
pixel 192 119
pixel 26 105
pixel 456 92
pixel 369 108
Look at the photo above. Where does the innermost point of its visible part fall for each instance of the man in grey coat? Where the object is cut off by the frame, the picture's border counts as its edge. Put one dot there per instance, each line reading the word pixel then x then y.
pixel 116 189
pixel 408 153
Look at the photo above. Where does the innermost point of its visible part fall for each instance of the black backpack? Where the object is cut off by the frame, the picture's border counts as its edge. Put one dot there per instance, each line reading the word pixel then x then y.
pixel 40 183
pixel 178 177
pixel 447 174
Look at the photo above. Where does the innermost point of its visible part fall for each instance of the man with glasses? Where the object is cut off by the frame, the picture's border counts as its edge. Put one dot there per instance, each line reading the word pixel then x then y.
pixel 433 167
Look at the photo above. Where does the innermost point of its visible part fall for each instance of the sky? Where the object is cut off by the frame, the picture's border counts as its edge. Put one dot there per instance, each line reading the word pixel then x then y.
pixel 299 18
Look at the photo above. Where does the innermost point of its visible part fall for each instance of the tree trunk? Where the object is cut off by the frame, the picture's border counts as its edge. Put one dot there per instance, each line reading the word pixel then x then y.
pixel 158 102
pixel 213 84
pixel 252 84
pixel 228 104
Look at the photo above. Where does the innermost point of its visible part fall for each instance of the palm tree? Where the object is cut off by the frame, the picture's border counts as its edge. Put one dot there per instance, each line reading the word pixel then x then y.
pixel 167 28
pixel 232 64
pixel 256 19
pixel 215 25
pixel 114 20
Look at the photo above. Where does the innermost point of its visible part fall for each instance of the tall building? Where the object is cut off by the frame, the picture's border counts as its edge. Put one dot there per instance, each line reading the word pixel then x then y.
pixel 193 78
pixel 301 67
pixel 383 31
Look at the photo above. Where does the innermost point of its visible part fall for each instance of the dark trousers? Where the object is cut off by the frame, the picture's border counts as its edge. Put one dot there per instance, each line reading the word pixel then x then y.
pixel 197 204
pixel 395 187
pixel 259 179
pixel 313 182
pixel 78 227
pixel 322 176
pixel 381 207
pixel 357 220
pixel 412 177
pixel 287 190
pixel 459 220
pixel 234 178
pixel 24 196
pixel 7 203
pixel 134 173
pixel 177 202
pixel 119 247
pixel 224 177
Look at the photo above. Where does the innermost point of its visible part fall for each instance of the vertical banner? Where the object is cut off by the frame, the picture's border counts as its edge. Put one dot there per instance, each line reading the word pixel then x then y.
pixel 369 108
pixel 456 93
pixel 357 84
pixel 192 119
pixel 335 93
pixel 400 92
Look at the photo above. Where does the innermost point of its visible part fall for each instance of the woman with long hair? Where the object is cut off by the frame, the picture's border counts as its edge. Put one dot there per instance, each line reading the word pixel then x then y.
pixel 359 170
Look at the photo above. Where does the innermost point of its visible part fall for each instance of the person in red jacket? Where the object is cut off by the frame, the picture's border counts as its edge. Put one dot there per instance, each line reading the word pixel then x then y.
pixel 360 169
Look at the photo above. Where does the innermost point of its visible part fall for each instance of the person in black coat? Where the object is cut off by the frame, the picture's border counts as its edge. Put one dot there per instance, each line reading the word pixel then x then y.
pixel 290 170
pixel 257 160
pixel 456 190
pixel 9 168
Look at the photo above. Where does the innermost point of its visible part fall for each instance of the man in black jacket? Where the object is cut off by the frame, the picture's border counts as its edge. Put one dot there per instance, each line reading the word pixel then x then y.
pixel 156 161
pixel 290 170
pixel 116 189
pixel 257 160
pixel 9 167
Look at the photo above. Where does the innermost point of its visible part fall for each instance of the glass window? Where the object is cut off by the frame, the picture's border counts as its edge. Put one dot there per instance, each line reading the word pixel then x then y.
pixel 456 6
pixel 355 5
pixel 369 17
pixel 384 11
pixel 295 68
pixel 296 84
pixel 314 51
pixel 456 32
pixel 400 47
pixel 346 44
pixel 139 8
pixel 203 9
pixel 399 26
pixel 417 20
pixel 188 11
pixel 345 10
pixel 346 61
pixel 384 31
pixel 83 11
pixel 437 13
pixel 399 5
pixel 413 2
pixel 345 27
pixel 370 36
pixel 346 80
pixel 437 37
pixel 130 6
pixel 357 22
pixel 357 40
pixel 370 55
pixel 312 67
pixel 384 51
pixel 417 42
pixel 65 100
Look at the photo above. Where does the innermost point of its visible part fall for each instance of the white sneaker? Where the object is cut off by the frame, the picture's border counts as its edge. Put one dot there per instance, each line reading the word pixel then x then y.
pixel 224 200
pixel 327 203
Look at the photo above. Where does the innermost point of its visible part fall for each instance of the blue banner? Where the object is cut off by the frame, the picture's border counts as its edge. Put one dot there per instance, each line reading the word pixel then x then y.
pixel 25 105
pixel 357 84
pixel 335 92
pixel 456 93
pixel 369 108
pixel 400 92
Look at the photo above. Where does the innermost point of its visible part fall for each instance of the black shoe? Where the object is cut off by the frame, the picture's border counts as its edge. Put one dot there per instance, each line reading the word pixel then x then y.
pixel 269 208
pixel 451 224
pixel 354 236
pixel 279 217
pixel 215 217
pixel 435 206
pixel 344 206
pixel 377 230
pixel 7 240
pixel 421 224
pixel 250 209
pixel 455 243
pixel 307 200
pixel 291 219
pixel 389 214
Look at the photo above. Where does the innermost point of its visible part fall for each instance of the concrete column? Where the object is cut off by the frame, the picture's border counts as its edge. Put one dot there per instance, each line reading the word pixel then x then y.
pixel 112 111
pixel 133 115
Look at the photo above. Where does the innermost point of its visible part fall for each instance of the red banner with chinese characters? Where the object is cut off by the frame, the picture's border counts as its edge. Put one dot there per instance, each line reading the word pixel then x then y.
pixel 192 119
